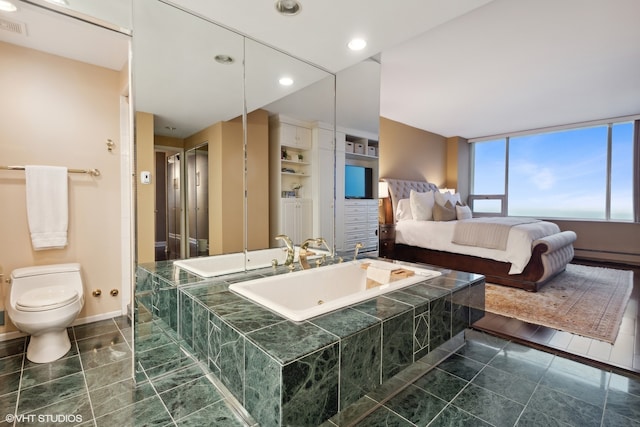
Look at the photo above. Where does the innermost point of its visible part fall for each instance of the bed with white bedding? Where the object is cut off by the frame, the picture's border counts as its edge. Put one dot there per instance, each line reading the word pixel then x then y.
pixel 522 252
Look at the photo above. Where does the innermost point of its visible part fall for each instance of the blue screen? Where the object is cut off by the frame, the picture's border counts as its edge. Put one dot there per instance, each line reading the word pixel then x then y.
pixel 354 182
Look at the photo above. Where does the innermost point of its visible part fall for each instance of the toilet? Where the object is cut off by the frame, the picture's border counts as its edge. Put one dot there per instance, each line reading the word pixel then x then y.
pixel 43 302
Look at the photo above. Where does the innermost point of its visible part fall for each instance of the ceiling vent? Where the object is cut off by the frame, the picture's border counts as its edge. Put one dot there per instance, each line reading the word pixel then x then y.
pixel 13 26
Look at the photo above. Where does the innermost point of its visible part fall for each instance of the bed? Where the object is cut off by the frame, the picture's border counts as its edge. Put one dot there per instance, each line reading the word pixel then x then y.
pixel 525 254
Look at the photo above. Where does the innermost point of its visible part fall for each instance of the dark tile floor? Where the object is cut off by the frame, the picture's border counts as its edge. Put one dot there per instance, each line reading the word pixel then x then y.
pixel 486 381
pixel 92 386
pixel 491 381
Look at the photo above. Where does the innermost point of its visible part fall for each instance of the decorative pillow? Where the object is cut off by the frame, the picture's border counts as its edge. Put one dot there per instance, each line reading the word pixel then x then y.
pixel 441 198
pixel 444 213
pixel 403 211
pixel 463 212
pixel 421 205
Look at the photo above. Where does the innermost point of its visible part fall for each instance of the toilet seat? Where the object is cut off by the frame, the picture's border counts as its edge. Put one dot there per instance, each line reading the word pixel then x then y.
pixel 46 298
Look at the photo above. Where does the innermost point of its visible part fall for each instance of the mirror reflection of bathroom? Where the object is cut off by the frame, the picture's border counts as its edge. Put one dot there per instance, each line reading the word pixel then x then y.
pixel 168 204
pixel 197 200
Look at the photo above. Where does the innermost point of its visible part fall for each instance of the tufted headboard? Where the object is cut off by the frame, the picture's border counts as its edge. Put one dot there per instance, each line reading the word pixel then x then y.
pixel 400 189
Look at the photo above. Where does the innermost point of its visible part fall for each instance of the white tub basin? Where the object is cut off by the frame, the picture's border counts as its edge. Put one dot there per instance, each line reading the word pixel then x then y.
pixel 219 265
pixel 304 294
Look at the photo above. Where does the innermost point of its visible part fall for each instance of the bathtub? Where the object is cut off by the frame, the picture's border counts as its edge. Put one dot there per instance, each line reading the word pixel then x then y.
pixel 219 265
pixel 301 295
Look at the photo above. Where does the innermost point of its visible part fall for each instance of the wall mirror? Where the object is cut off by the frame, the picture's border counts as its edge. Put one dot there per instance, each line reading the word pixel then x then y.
pixel 198 85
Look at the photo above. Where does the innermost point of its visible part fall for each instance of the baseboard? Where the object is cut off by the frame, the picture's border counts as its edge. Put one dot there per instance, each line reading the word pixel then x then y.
pixel 97 318
pixel 612 257
pixel 11 335
pixel 89 319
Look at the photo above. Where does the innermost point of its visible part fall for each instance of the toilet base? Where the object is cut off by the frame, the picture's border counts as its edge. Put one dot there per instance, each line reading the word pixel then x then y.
pixel 48 346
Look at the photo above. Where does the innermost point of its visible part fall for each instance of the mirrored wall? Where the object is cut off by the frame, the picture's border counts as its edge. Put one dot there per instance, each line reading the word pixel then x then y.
pixel 197 84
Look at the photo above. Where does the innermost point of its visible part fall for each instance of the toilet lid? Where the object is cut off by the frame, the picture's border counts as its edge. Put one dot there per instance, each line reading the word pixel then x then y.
pixel 46 298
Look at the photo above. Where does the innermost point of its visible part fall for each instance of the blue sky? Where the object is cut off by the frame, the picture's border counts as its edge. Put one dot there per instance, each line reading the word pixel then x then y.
pixel 560 173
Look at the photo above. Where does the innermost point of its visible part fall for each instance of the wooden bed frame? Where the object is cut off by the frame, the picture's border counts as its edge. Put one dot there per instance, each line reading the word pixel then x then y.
pixel 549 257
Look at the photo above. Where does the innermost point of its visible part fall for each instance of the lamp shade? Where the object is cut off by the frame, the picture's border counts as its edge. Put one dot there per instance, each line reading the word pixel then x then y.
pixel 383 190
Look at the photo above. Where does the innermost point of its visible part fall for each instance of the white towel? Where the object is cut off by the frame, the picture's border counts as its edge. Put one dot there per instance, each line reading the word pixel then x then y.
pixel 47 206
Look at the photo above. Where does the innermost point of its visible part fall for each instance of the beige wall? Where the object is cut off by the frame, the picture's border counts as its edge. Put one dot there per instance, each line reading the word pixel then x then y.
pixel 410 153
pixel 57 111
pixel 145 193
pixel 226 182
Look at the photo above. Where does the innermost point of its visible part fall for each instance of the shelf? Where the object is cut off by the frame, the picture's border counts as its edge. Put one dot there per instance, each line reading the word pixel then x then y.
pixel 360 156
pixel 295 174
pixel 294 162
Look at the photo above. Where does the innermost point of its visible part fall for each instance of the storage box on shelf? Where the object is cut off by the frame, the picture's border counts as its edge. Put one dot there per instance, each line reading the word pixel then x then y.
pixel 357 147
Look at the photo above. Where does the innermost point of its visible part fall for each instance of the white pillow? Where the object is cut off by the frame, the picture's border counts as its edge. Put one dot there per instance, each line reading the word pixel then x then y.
pixel 441 198
pixel 421 205
pixel 463 212
pixel 403 211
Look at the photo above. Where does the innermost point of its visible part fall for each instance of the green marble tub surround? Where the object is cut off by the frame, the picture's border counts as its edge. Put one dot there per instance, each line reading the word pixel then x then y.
pixel 287 372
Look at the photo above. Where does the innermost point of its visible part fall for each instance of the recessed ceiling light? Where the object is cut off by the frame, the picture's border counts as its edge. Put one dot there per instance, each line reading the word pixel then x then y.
pixel 58 2
pixel 224 59
pixel 286 81
pixel 357 44
pixel 288 7
pixel 7 6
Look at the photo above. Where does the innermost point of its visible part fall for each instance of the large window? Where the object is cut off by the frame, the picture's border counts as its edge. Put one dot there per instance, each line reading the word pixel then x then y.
pixel 581 173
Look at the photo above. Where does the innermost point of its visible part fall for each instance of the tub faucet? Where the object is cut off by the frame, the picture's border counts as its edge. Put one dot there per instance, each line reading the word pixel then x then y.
pixel 305 252
pixel 290 250
pixel 357 248
pixel 322 241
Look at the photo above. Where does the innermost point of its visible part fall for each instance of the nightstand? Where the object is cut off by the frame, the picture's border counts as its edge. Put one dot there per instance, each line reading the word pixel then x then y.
pixel 387 237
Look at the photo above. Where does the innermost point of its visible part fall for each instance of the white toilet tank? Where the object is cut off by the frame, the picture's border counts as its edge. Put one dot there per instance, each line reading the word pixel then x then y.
pixel 60 275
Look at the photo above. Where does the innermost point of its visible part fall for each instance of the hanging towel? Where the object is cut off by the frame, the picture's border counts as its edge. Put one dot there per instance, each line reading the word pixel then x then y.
pixel 47 206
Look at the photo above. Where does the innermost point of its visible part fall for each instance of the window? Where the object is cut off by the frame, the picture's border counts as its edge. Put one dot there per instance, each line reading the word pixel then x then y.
pixel 581 173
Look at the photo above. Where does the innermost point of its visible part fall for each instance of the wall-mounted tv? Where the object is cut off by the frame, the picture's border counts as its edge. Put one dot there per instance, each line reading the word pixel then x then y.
pixel 358 182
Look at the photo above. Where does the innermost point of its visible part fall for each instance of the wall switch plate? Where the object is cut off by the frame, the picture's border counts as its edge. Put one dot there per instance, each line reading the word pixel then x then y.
pixel 145 177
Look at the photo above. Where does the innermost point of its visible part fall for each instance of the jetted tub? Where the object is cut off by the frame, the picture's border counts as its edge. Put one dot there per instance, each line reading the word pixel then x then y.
pixel 304 294
pixel 218 265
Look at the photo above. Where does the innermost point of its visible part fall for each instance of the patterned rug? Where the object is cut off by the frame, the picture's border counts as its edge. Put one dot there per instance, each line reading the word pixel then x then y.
pixel 587 301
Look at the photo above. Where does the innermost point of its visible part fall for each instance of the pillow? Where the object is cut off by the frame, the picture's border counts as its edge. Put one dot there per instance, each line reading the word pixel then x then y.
pixel 463 212
pixel 441 198
pixel 403 211
pixel 444 213
pixel 421 205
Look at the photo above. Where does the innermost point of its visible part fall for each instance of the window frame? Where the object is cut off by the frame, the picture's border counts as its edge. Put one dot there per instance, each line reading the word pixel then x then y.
pixel 610 123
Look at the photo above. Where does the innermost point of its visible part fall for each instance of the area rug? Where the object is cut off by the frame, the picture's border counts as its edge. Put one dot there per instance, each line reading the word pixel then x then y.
pixel 588 301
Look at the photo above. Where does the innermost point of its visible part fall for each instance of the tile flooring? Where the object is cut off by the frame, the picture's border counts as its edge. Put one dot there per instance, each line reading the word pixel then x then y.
pixel 92 386
pixel 487 381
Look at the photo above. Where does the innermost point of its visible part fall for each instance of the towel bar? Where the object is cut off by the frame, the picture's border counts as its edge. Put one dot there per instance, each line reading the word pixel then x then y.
pixel 92 172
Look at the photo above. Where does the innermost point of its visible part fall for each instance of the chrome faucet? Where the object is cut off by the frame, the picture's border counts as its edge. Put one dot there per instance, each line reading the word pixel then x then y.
pixel 357 248
pixel 291 252
pixel 305 252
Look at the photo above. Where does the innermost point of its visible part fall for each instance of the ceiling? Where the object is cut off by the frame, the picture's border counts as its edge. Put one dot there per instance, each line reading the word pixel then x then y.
pixel 469 68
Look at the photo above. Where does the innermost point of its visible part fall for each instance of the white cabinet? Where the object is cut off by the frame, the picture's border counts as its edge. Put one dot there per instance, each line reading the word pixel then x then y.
pixel 322 171
pixel 294 136
pixel 291 187
pixel 296 219
pixel 361 224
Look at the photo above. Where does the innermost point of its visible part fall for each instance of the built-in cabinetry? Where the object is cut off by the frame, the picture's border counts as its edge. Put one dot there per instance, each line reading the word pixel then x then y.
pixel 290 179
pixel 356 219
pixel 296 219
pixel 305 161
pixel 361 224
